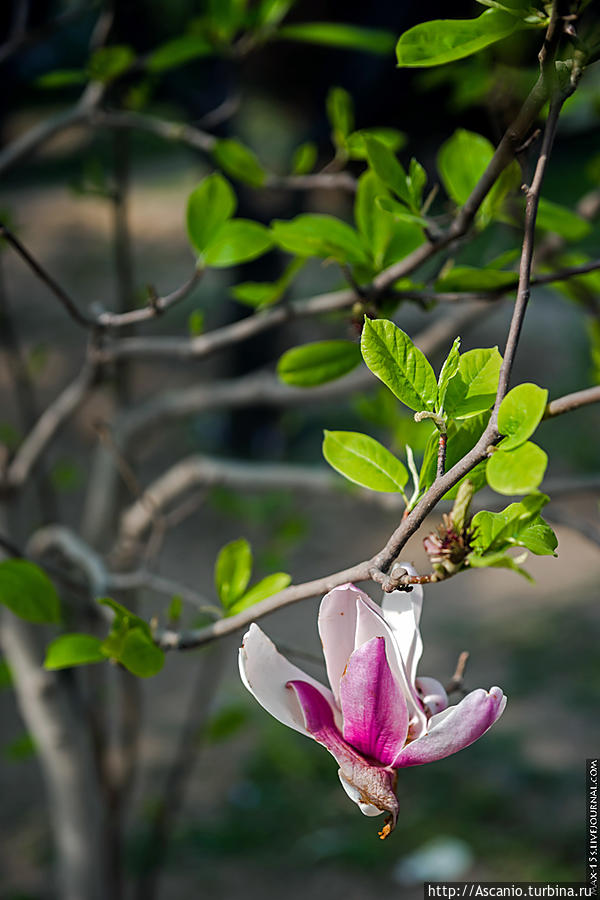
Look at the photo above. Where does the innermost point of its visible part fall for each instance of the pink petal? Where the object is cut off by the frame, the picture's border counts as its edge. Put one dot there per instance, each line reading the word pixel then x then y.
pixel 370 623
pixel 265 672
pixel 337 628
pixel 433 695
pixel 371 787
pixel 373 705
pixel 402 611
pixel 455 728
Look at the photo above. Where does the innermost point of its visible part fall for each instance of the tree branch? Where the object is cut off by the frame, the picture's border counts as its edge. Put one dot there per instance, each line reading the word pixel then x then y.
pixel 572 401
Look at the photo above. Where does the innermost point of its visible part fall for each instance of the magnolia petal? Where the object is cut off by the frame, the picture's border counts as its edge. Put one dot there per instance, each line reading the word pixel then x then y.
pixel 370 623
pixel 337 628
pixel 367 809
pixel 402 611
pixel 455 728
pixel 433 694
pixel 373 705
pixel 265 672
pixel 374 785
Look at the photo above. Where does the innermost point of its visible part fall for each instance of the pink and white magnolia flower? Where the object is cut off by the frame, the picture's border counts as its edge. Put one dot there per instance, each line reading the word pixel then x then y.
pixel 378 716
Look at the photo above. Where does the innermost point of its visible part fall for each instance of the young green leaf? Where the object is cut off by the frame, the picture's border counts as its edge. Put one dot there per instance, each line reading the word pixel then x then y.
pixel 239 162
pixel 461 161
pixel 177 52
pixel 385 165
pixel 28 592
pixel 373 223
pixel 320 235
pixel 237 241
pixel 447 372
pixel 517 471
pixel 469 278
pixel 232 571
pixel 539 538
pixel 73 650
pixel 494 532
pixel 499 561
pixel 60 78
pixel 264 588
pixel 561 220
pixel 260 294
pixel 520 414
pixel 473 388
pixel 304 158
pixel 442 41
pixel 371 40
pixel 209 206
pixel 340 112
pixel 393 358
pixel 140 655
pixel 391 137
pixel 196 322
pixel 317 363
pixel 365 461
pixel 107 63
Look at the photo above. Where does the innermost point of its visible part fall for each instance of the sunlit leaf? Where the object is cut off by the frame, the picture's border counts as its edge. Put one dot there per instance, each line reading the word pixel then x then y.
pixel 232 571
pixel 333 34
pixel 517 471
pixel 73 650
pixel 365 461
pixel 520 413
pixel 393 358
pixel 317 363
pixel 28 592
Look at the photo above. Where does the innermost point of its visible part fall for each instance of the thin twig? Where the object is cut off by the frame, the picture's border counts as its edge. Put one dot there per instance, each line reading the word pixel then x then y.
pixel 572 401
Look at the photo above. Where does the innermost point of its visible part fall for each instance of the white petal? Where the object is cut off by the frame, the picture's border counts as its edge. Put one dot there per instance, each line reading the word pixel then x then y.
pixel 337 628
pixel 367 809
pixel 402 611
pixel 265 672
pixel 433 694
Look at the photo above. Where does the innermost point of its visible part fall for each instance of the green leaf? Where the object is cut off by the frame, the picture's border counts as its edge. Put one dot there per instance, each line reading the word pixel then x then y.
pixel 237 241
pixel 447 372
pixel 442 41
pixel 374 223
pixel 177 52
pixel 140 655
pixel 520 414
pixel 473 388
pixel 73 650
pixel 28 592
pixel 21 748
pixel 365 461
pixel 304 159
pixel 539 538
pixel 239 162
pixel 232 571
pixel 332 34
pixel 317 363
pixel 416 181
pixel 196 322
pixel 261 294
pixel 264 588
pixel 340 111
pixel 462 159
pixel 393 358
pixel 209 206
pixel 517 471
pixel 399 212
pixel 494 532
pixel 175 608
pixel 498 561
pixel 320 235
pixel 391 137
pixel 60 78
pixel 124 618
pixel 469 278
pixel 385 165
pixel 108 63
pixel 562 221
